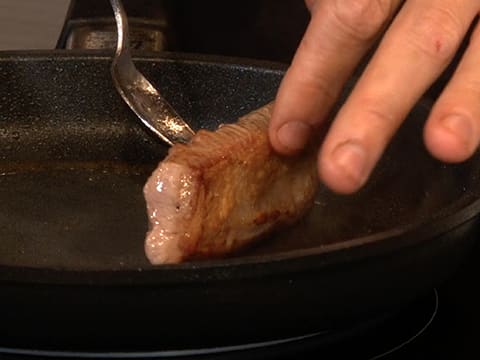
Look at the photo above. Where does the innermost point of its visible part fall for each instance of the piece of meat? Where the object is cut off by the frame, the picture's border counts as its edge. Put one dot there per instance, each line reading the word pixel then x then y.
pixel 223 190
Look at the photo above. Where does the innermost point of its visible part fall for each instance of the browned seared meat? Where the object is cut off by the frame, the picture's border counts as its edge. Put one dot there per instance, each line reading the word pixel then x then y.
pixel 223 190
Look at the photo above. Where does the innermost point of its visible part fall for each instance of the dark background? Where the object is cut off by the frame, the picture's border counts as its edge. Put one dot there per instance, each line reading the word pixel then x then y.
pixel 261 29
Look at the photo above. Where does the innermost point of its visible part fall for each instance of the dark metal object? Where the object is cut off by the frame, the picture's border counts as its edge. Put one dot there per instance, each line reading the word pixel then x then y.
pixel 100 33
pixel 270 29
pixel 72 217
pixel 90 25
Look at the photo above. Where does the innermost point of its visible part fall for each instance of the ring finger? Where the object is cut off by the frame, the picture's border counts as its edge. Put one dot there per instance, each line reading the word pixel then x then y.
pixel 452 132
pixel 339 34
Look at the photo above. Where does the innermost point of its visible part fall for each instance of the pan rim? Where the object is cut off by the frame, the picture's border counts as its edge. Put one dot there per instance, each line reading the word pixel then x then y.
pixel 401 236
pixel 249 266
pixel 144 56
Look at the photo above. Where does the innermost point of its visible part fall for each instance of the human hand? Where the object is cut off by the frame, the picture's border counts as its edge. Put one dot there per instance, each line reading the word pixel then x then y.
pixel 416 47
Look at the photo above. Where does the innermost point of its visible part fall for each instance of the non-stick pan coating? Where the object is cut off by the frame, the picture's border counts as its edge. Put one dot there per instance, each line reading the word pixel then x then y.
pixel 73 160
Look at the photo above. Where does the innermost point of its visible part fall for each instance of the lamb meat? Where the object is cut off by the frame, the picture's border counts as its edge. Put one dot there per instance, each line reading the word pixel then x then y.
pixel 224 190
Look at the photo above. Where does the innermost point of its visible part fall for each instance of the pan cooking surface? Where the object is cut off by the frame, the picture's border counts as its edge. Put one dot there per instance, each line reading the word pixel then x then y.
pixel 62 213
pixel 74 160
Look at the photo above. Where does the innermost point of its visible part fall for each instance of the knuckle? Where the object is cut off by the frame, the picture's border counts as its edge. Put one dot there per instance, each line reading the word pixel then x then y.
pixel 318 82
pixel 472 85
pixel 438 34
pixel 379 120
pixel 362 19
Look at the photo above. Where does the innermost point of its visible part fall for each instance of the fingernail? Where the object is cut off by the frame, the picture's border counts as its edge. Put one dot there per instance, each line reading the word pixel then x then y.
pixel 461 127
pixel 351 159
pixel 294 135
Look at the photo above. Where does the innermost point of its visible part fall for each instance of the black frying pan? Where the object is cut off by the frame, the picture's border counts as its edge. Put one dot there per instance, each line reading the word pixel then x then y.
pixel 73 275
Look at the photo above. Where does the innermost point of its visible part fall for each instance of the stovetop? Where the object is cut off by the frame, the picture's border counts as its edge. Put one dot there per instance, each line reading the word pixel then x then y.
pixel 443 325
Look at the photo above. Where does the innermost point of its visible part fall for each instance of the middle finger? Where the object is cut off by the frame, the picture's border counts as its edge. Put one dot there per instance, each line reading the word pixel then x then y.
pixel 415 50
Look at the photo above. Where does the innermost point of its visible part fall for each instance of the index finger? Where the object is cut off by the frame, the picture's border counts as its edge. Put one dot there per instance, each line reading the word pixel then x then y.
pixel 339 34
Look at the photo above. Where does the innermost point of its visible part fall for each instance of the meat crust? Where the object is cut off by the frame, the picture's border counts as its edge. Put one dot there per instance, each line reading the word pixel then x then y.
pixel 224 190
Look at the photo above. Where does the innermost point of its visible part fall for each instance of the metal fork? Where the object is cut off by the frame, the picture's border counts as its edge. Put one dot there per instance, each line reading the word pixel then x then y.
pixel 140 95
